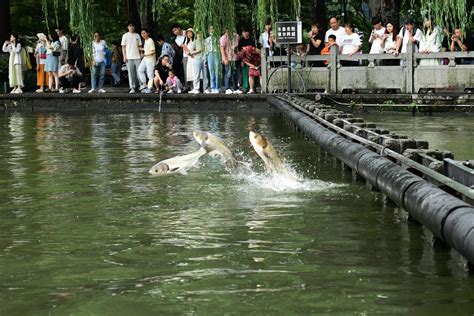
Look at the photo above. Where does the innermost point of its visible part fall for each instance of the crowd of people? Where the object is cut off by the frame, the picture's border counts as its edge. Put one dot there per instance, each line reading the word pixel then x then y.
pixel 195 62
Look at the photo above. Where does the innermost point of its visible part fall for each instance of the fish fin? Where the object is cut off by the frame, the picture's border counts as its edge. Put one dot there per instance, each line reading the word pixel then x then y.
pixel 174 169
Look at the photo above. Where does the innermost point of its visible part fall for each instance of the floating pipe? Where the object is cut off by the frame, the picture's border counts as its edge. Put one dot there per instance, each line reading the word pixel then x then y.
pixel 448 217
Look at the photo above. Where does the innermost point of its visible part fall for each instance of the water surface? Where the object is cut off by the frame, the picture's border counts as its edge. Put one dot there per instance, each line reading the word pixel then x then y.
pixel 85 230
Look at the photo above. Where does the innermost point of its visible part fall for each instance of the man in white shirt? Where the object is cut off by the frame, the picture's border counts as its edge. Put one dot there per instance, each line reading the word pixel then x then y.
pixel 131 43
pixel 336 30
pixel 408 33
pixel 376 36
pixel 64 46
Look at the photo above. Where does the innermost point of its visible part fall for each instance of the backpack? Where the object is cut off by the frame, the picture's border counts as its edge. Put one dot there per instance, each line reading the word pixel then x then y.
pixel 108 58
pixel 414 33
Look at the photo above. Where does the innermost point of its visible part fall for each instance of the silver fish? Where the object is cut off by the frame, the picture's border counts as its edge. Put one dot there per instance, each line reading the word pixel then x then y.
pixel 269 155
pixel 178 164
pixel 216 146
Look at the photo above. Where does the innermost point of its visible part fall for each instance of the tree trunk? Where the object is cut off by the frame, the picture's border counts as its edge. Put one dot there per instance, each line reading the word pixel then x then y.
pixel 388 10
pixel 318 12
pixel 5 25
pixel 132 13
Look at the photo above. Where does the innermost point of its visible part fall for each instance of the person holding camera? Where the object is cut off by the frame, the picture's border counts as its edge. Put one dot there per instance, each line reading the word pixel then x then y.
pixel 15 73
pixel 52 61
pixel 70 77
pixel 377 36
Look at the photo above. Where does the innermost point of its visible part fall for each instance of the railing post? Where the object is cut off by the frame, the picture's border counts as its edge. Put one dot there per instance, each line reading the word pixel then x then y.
pixel 264 80
pixel 333 70
pixel 409 63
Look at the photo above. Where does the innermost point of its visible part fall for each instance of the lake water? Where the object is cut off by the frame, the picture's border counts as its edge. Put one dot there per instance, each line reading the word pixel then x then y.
pixel 85 230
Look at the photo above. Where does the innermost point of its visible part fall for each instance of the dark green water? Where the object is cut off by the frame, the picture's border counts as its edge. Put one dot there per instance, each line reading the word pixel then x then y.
pixel 84 230
pixel 443 132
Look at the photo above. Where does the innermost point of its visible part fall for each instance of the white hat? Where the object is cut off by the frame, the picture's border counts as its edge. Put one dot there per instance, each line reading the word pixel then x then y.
pixel 41 36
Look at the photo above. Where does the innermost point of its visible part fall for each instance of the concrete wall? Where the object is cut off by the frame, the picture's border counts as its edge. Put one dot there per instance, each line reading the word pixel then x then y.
pixel 372 74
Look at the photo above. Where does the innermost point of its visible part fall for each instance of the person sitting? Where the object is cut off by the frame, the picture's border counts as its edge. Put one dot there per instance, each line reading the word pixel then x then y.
pixel 173 84
pixel 70 77
pixel 327 48
pixel 162 69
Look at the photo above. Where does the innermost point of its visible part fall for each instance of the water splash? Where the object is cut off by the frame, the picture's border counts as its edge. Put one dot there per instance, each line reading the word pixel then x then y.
pixel 251 179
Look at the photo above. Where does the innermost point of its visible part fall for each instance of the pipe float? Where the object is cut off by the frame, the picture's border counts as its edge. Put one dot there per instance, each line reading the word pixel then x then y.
pixel 448 217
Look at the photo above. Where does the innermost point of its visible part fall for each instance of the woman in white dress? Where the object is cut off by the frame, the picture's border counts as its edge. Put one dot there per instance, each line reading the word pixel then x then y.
pixel 189 47
pixel 430 43
pixel 15 73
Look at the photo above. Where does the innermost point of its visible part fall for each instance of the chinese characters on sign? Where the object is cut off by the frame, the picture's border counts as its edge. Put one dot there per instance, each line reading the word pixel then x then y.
pixel 289 32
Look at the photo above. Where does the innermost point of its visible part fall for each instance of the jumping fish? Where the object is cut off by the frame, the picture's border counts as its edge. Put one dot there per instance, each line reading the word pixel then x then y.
pixel 269 155
pixel 216 146
pixel 178 164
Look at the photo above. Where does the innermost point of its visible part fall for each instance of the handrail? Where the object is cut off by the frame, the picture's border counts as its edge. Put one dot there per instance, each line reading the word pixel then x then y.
pixel 465 191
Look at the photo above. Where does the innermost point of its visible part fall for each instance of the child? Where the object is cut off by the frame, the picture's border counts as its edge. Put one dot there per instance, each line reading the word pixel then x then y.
pixel 327 49
pixel 173 84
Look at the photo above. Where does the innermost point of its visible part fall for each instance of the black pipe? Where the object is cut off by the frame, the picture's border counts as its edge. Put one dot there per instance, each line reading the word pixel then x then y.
pixel 449 218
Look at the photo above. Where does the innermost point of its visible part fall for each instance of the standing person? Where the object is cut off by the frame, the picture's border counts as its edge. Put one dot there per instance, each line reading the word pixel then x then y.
pixel 146 68
pixel 459 43
pixel 64 46
pixel 180 59
pixel 228 44
pixel 15 72
pixel 98 63
pixel 336 30
pixel 251 57
pixel 242 68
pixel 166 48
pixel 131 43
pixel 265 37
pixel 40 55
pixel 70 77
pixel 315 45
pixel 350 45
pixel 389 43
pixel 430 43
pixel 116 66
pixel 213 60
pixel 377 36
pixel 408 33
pixel 188 48
pixel 195 53
pixel 53 51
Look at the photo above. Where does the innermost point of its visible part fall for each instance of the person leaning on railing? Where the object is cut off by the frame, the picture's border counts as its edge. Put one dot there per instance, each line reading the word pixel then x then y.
pixel 461 44
pixel 389 44
pixel 350 45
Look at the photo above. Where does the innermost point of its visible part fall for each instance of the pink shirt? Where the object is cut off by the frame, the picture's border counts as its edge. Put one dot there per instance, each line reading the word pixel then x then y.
pixel 171 81
pixel 230 46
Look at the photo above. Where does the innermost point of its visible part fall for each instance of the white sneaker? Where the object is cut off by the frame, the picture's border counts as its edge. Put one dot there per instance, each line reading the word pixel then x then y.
pixel 39 90
pixel 250 92
pixel 179 91
pixel 215 91
pixel 19 90
pixel 207 91
pixel 76 91
pixel 170 91
pixel 63 91
pixel 101 91
pixel 228 91
pixel 237 92
pixel 194 91
pixel 131 91
pixel 91 90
